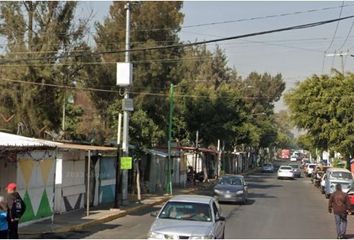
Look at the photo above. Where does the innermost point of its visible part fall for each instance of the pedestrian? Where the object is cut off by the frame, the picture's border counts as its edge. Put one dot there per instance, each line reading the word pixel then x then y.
pixel 15 209
pixel 4 227
pixel 339 203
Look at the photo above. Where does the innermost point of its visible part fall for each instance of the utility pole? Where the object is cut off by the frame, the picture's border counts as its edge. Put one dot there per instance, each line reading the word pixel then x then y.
pixel 170 163
pixel 196 154
pixel 341 54
pixel 126 112
pixel 218 169
pixel 118 182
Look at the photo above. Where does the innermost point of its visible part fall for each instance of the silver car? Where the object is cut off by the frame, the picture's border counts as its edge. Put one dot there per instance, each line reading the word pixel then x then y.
pixel 296 169
pixel 188 217
pixel 231 188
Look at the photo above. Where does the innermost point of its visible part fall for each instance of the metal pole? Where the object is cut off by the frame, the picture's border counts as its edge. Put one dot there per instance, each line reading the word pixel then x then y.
pixel 63 120
pixel 117 188
pixel 196 155
pixel 88 183
pixel 126 113
pixel 169 164
pixel 218 169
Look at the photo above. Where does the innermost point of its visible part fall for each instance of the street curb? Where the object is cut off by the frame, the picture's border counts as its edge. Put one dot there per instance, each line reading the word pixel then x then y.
pixel 104 219
pixel 114 216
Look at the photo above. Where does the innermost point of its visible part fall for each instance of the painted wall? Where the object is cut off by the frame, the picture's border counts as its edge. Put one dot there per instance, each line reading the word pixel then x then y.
pixel 70 181
pixel 35 182
pixel 107 179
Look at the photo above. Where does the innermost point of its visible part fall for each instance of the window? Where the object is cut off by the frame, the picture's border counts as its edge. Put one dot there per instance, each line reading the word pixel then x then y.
pixel 216 211
pixel 186 211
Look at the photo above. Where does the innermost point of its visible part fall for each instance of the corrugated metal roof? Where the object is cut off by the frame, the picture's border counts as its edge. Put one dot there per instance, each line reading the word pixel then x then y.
pixel 12 140
pixel 83 147
pixel 16 141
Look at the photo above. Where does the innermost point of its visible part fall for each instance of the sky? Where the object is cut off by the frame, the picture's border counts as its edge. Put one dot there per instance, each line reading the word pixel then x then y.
pixel 295 54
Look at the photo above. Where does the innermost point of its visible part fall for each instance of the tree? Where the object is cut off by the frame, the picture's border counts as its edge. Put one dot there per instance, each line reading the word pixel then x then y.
pixel 285 138
pixel 38 35
pixel 323 106
pixel 152 24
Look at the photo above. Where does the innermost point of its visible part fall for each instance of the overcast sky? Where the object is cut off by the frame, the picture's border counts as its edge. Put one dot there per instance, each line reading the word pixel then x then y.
pixel 295 54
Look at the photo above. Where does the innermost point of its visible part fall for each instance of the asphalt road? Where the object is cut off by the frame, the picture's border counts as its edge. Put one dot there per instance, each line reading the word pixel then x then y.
pixel 281 209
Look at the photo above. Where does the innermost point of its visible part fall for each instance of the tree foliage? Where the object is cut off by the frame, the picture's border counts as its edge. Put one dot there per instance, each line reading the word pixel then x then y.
pixel 38 34
pixel 323 106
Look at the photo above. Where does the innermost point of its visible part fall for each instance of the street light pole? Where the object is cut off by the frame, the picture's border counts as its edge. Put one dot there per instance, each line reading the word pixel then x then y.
pixel 169 163
pixel 125 144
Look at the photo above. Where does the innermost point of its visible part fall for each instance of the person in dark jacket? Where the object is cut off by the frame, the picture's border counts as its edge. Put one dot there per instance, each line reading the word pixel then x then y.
pixel 340 205
pixel 12 213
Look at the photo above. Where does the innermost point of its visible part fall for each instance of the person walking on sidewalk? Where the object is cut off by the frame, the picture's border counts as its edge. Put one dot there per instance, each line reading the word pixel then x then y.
pixel 4 227
pixel 16 207
pixel 339 203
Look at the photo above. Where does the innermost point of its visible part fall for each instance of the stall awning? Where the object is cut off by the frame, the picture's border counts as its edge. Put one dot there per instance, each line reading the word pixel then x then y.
pixel 13 141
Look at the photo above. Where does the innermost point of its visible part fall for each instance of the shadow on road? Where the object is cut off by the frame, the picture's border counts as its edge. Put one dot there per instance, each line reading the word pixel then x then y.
pixel 249 202
pixel 262 186
pixel 145 211
pixel 78 234
pixel 259 195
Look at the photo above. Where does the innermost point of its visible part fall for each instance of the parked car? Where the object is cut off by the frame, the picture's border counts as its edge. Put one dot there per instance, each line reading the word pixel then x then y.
pixel 337 175
pixel 231 188
pixel 296 168
pixel 305 162
pixel 351 198
pixel 268 168
pixel 285 172
pixel 188 217
pixel 310 168
pixel 293 158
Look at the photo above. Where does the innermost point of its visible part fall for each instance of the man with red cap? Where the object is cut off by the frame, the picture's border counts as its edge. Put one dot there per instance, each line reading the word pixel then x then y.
pixel 16 207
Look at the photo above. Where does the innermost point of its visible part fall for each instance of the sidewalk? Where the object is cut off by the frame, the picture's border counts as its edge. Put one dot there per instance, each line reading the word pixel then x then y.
pixel 77 220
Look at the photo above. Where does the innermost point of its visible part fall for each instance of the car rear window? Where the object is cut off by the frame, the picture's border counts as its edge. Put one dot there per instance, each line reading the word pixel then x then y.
pixel 285 168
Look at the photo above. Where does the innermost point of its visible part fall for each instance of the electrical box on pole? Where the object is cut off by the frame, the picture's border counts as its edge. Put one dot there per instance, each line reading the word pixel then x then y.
pixel 124 74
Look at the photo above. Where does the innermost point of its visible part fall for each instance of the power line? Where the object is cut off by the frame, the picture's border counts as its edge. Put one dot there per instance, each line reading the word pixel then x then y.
pixel 147 93
pixel 336 29
pixel 346 39
pixel 249 19
pixel 296 27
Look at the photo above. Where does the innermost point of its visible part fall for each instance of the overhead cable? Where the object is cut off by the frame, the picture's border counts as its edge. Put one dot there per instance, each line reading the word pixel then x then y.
pixel 296 27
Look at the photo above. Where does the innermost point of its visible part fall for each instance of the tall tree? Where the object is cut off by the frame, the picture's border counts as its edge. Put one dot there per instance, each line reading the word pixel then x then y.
pixel 152 24
pixel 38 35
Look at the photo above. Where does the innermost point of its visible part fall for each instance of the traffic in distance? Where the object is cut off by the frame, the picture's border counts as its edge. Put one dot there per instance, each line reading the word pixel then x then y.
pixel 201 217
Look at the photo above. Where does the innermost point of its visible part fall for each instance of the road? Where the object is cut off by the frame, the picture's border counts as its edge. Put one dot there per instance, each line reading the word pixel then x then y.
pixel 282 209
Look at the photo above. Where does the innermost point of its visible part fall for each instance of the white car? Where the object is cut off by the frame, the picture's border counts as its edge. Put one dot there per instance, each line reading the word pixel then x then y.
pixel 285 172
pixel 310 168
pixel 293 158
pixel 188 217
